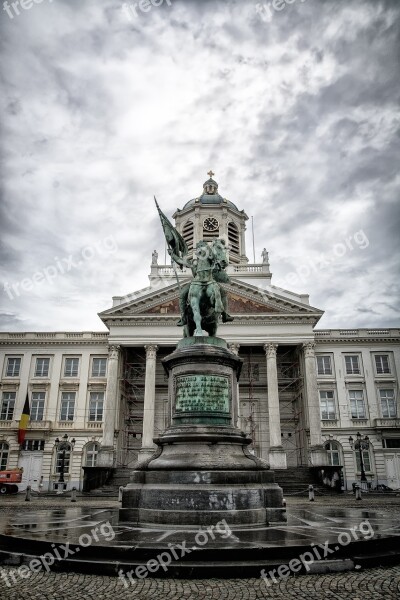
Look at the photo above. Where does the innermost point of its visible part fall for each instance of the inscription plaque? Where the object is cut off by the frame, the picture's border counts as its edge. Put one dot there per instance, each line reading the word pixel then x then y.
pixel 202 393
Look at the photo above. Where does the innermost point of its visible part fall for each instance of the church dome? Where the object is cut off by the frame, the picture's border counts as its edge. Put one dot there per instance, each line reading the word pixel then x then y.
pixel 210 195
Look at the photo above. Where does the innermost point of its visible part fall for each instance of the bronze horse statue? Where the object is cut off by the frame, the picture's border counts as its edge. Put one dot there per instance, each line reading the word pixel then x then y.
pixel 203 301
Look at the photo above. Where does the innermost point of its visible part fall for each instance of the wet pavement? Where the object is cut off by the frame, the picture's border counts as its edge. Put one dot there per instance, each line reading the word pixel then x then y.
pixel 359 584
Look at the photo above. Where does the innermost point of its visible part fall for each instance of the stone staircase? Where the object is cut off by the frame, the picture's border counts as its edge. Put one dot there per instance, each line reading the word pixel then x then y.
pixel 295 481
pixel 120 477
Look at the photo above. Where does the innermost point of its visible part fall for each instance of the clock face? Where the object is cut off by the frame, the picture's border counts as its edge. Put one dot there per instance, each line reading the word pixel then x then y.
pixel 210 224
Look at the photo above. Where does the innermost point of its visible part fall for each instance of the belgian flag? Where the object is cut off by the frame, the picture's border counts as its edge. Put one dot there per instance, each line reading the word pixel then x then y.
pixel 24 420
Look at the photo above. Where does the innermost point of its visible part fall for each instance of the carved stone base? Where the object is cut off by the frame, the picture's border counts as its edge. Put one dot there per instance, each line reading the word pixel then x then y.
pixel 277 458
pixel 202 471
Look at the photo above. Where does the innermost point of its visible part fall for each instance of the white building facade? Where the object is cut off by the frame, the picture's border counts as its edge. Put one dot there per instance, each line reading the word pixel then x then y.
pixel 303 392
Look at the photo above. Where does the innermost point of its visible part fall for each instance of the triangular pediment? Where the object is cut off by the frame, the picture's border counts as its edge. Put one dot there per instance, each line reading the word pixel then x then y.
pixel 243 299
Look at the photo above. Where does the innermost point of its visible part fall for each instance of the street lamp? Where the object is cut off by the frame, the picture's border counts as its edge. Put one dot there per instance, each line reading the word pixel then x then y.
pixel 63 447
pixel 360 444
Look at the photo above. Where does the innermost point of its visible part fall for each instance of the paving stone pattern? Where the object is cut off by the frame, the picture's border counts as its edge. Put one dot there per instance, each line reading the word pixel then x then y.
pixel 372 584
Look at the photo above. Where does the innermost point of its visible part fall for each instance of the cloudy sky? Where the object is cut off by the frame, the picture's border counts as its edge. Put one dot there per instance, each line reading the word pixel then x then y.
pixel 296 111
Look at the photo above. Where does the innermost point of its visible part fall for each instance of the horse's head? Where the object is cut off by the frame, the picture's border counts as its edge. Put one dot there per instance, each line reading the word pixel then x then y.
pixel 220 253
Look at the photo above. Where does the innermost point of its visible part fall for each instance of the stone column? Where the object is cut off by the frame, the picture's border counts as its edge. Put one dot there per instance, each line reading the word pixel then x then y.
pixel 236 409
pixel 317 452
pixel 148 447
pixel 106 454
pixel 277 455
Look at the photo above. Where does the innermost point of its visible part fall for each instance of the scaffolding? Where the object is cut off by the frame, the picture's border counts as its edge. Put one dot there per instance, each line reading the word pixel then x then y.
pixel 252 373
pixel 291 382
pixel 132 385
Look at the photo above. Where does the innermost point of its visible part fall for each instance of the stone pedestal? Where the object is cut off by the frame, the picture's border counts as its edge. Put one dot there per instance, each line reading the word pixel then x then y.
pixel 202 471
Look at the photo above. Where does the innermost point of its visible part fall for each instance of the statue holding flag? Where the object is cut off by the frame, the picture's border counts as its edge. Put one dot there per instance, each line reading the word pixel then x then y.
pixel 203 301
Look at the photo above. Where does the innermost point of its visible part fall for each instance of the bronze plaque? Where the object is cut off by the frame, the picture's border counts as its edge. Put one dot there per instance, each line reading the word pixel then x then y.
pixel 202 393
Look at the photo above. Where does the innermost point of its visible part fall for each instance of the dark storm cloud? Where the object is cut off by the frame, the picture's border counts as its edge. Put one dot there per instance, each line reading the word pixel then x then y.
pixel 297 115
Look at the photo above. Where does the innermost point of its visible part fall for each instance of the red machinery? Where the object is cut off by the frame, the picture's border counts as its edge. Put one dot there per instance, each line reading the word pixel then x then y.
pixel 9 480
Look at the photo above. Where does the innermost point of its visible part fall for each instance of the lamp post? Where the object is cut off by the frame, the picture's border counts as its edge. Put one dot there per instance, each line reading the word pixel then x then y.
pixel 360 444
pixel 63 447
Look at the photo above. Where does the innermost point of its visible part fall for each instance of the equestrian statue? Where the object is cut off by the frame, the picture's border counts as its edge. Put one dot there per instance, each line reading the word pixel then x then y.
pixel 203 301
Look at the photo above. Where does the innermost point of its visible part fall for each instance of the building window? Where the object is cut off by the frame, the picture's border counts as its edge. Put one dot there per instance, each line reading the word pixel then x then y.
pixel 42 367
pixel 352 362
pixel 391 443
pixel 13 366
pixel 333 452
pixel 92 450
pixel 327 404
pixel 366 460
pixel 388 403
pixel 382 364
pixel 33 445
pixel 4 448
pixel 71 367
pixel 188 234
pixel 67 460
pixel 324 365
pixel 67 406
pixel 7 406
pixel 37 406
pixel 96 406
pixel 357 404
pixel 99 366
pixel 234 242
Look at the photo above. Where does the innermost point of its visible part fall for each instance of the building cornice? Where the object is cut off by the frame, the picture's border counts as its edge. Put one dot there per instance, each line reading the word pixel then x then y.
pixel 58 338
pixel 357 336
pixel 260 319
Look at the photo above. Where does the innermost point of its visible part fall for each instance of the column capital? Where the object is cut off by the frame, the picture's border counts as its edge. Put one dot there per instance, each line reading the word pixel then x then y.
pixel 151 350
pixel 309 349
pixel 270 350
pixel 113 351
pixel 234 348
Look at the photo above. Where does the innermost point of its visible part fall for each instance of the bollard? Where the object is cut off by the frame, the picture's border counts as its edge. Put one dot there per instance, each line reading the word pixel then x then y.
pixel 73 494
pixel 120 489
pixel 358 492
pixel 284 502
pixel 28 493
pixel 311 494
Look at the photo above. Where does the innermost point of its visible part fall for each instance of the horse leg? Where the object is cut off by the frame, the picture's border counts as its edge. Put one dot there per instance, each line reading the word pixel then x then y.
pixel 218 306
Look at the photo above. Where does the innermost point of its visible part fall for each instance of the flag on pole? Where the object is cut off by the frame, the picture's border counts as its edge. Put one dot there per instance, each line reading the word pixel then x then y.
pixel 24 420
pixel 175 241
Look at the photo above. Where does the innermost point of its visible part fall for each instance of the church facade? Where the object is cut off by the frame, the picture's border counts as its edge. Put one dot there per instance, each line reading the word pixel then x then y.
pixel 97 399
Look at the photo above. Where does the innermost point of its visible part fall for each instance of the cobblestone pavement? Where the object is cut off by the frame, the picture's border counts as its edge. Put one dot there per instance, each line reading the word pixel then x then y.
pixel 372 584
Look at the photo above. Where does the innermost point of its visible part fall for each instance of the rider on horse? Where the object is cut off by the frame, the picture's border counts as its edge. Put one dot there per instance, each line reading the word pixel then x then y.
pixel 207 267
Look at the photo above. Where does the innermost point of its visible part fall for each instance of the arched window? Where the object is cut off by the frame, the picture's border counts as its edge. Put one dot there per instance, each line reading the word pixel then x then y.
pixel 92 450
pixel 234 242
pixel 333 452
pixel 4 449
pixel 188 234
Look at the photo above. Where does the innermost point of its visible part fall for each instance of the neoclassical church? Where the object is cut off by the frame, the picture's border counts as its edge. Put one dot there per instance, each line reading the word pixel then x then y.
pixel 97 399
